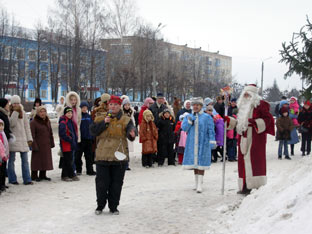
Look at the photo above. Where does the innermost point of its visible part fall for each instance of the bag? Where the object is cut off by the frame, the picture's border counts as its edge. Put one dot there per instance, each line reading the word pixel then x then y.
pixel 303 129
pixel 120 155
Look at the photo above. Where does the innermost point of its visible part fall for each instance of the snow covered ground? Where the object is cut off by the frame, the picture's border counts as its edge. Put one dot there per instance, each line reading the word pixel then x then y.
pixel 161 200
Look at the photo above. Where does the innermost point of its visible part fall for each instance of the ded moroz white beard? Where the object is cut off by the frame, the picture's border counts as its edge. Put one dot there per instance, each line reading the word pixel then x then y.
pixel 245 105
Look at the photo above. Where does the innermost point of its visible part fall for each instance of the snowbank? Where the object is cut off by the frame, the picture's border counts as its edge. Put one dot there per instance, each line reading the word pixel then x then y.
pixel 282 206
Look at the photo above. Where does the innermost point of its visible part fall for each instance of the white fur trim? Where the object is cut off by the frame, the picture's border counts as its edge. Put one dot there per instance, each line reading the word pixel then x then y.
pixel 190 122
pixel 240 184
pixel 232 123
pixel 196 142
pixel 260 125
pixel 68 95
pixel 256 181
pixel 192 167
pixel 251 88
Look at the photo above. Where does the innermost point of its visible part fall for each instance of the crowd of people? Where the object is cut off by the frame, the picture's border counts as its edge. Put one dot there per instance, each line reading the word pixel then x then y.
pixel 191 135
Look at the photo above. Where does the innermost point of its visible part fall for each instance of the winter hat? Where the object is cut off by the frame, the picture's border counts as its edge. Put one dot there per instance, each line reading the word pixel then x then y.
pixel 233 100
pixel 207 101
pixel 148 100
pixel 125 101
pixel 84 103
pixel 165 111
pixel 1 122
pixel 39 108
pixel 147 113
pixel 8 97
pixel 284 109
pixel 115 99
pixel 283 102
pixel 3 102
pixel 197 100
pixel 185 102
pixel 251 88
pixel 15 99
pixel 67 109
pixel 307 103
pixel 160 95
pixel 37 100
pixel 124 97
pixel 105 97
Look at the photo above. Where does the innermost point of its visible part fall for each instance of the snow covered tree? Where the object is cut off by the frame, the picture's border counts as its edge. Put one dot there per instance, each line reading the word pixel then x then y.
pixel 297 54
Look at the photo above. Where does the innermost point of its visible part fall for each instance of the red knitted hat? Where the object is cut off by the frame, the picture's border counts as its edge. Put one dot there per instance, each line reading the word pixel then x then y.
pixel 307 103
pixel 115 99
pixel 284 109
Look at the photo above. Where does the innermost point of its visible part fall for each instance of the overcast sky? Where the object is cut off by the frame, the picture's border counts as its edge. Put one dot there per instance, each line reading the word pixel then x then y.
pixel 247 30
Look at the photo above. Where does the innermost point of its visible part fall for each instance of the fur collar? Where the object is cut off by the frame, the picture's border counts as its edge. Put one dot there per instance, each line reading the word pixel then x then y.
pixel 4 111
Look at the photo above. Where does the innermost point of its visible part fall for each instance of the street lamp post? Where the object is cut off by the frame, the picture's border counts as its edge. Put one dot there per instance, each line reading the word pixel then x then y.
pixel 262 69
pixel 155 83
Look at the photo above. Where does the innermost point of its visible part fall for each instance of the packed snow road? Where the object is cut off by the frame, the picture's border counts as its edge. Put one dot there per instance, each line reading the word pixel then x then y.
pixel 154 200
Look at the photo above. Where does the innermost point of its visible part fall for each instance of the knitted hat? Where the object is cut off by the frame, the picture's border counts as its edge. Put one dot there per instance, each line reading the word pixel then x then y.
pixel 3 102
pixel 8 97
pixel 208 101
pixel 166 110
pixel 125 101
pixel 84 103
pixel 105 97
pixel 39 108
pixel 197 100
pixel 15 99
pixel 307 103
pixel 148 100
pixel 115 99
pixel 160 95
pixel 251 88
pixel 233 100
pixel 284 109
pixel 67 109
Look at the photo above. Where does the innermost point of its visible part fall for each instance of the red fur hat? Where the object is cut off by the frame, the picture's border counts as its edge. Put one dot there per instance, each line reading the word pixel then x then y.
pixel 115 99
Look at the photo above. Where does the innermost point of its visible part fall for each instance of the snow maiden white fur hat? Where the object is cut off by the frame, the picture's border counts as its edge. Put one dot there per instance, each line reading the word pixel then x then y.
pixel 197 100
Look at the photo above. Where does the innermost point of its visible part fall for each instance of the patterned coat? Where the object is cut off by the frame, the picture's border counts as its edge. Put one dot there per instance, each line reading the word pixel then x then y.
pixel 200 133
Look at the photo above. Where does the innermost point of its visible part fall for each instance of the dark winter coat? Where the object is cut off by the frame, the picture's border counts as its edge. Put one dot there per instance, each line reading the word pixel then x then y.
pixel 219 108
pixel 305 118
pixel 67 134
pixel 4 115
pixel 43 141
pixel 284 126
pixel 232 110
pixel 86 121
pixel 156 111
pixel 182 111
pixel 166 130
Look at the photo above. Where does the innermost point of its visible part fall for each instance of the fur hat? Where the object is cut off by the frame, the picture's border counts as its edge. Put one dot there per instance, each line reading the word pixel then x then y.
pixel 3 102
pixel 185 102
pixel 197 100
pixel 39 108
pixel 148 100
pixel 8 97
pixel 105 97
pixel 148 113
pixel 15 99
pixel 124 97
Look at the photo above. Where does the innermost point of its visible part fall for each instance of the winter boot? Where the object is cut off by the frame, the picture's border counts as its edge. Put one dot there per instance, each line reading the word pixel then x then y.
pixel 287 157
pixel 280 157
pixel 199 184
pixel 196 181
pixel 99 210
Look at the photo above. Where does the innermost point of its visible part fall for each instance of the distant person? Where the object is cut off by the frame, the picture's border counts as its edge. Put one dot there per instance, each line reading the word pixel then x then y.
pixel 60 107
pixel 305 121
pixel 277 107
pixel 33 113
pixel 148 102
pixel 219 106
pixel 186 108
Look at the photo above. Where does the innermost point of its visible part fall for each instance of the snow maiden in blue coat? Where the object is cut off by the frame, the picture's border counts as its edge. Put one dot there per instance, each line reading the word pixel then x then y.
pixel 199 127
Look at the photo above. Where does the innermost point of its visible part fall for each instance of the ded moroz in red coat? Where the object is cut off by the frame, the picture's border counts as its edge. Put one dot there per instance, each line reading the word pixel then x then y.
pixel 252 162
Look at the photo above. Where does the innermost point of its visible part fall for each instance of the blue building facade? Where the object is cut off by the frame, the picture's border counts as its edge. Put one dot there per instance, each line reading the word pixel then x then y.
pixel 19 68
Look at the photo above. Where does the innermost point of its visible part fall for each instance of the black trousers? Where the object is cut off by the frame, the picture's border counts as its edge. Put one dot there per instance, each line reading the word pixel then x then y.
pixel 147 159
pixel 85 147
pixel 2 174
pixel 306 143
pixel 215 153
pixel 67 165
pixel 166 150
pixel 108 182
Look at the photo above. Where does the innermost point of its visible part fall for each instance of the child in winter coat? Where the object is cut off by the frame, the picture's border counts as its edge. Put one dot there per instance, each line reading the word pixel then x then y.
pixel 166 138
pixel 85 146
pixel 148 137
pixel 68 139
pixel 181 138
pixel 231 143
pixel 284 126
pixel 293 114
pixel 219 131
pixel 4 155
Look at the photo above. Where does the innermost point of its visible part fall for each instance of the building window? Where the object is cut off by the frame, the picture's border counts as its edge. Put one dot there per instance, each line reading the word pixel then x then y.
pixel 20 53
pixel 32 55
pixel 32 74
pixel 21 73
pixel 43 75
pixel 32 93
pixel 43 93
pixel 218 62
pixel 44 55
pixel 7 52
pixel 54 58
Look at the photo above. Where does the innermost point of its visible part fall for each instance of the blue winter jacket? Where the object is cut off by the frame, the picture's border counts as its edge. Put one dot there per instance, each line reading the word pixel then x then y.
pixel 86 121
